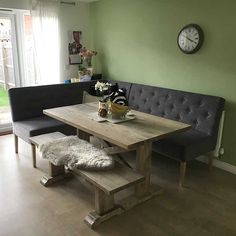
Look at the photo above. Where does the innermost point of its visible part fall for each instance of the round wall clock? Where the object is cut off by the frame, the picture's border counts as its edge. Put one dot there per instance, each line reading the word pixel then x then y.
pixel 190 38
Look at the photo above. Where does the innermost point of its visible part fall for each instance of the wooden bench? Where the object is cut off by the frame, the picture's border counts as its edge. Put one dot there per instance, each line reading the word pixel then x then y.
pixel 106 183
pixel 56 173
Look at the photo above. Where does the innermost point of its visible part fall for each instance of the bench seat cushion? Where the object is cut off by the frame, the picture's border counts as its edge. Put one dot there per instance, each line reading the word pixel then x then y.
pixel 185 146
pixel 40 125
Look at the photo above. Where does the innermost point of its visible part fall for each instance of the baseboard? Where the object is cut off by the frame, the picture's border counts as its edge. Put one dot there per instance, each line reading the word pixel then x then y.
pixel 6 129
pixel 219 164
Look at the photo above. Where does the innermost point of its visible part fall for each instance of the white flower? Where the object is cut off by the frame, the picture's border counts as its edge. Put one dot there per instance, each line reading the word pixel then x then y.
pixel 102 86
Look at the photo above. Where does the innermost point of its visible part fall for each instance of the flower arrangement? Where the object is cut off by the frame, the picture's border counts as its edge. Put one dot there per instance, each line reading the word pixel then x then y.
pixel 102 90
pixel 87 55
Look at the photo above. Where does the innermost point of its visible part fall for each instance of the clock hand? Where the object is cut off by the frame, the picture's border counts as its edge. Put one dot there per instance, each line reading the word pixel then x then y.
pixel 191 40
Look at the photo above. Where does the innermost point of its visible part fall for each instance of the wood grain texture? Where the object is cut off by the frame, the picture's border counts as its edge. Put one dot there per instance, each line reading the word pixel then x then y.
pixel 45 138
pixel 16 143
pixel 127 135
pixel 111 181
pixel 103 202
pixel 93 219
pixel 183 165
pixel 33 153
pixel 83 135
pixel 143 166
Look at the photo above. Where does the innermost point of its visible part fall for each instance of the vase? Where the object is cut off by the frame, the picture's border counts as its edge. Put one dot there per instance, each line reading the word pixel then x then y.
pixel 102 108
pixel 87 62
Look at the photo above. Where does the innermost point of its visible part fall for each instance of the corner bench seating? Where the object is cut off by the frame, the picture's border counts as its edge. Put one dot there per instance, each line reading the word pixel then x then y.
pixel 201 111
pixel 27 104
pixel 106 183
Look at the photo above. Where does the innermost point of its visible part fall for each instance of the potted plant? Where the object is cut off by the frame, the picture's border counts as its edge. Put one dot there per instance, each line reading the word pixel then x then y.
pixel 102 91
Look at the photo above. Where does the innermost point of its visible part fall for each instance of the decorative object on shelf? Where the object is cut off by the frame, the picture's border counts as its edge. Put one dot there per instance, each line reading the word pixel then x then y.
pixel 85 69
pixel 74 47
pixel 84 74
pixel 190 38
pixel 86 56
pixel 102 90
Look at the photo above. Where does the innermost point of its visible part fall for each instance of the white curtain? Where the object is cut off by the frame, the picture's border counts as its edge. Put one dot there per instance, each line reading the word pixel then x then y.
pixel 45 23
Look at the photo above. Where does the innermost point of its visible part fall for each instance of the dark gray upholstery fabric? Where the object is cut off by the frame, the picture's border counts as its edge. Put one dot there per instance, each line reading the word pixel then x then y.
pixel 40 125
pixel 29 102
pixel 185 146
pixel 203 112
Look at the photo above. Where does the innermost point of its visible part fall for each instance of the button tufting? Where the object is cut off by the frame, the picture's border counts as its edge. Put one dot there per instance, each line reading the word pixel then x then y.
pixel 188 110
pixel 200 103
pixel 207 115
pixel 178 117
pixel 182 100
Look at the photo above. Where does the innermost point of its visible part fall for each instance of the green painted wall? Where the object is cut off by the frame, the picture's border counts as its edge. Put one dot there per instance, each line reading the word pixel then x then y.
pixel 136 42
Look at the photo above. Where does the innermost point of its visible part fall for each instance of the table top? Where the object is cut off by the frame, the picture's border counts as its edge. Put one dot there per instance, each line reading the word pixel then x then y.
pixel 128 135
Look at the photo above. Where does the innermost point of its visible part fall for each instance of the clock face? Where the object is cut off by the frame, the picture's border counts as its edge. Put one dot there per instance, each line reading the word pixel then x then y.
pixel 190 38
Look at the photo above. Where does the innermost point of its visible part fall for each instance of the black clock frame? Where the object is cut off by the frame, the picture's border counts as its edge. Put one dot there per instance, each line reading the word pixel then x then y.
pixel 201 38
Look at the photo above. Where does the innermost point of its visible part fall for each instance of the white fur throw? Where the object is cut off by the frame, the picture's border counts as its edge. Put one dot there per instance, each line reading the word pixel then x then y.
pixel 76 153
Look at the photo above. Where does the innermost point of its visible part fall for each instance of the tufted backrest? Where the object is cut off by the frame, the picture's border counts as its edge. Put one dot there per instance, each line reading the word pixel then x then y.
pixel 203 112
pixel 29 102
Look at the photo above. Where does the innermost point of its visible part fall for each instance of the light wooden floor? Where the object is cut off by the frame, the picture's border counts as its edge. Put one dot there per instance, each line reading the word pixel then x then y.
pixel 206 207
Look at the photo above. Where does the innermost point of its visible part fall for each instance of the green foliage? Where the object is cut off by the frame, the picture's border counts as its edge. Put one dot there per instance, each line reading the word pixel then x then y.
pixel 3 97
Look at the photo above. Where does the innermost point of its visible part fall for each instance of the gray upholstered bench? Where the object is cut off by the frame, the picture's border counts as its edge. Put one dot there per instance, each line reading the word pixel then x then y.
pixel 27 105
pixel 106 183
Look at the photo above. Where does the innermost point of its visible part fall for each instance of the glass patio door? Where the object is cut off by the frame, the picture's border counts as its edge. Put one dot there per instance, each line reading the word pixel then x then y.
pixel 9 68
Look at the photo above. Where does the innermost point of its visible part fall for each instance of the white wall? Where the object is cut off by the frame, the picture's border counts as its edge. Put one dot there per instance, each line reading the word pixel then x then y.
pixel 73 18
pixel 15 4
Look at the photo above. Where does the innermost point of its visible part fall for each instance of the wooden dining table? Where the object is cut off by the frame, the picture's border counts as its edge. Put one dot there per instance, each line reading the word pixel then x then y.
pixel 136 134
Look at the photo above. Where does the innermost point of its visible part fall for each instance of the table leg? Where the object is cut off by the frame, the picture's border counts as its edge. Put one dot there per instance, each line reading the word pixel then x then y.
pixel 143 166
pixel 83 135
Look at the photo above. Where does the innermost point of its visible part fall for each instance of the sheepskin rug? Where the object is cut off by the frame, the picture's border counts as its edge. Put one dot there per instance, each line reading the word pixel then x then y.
pixel 76 153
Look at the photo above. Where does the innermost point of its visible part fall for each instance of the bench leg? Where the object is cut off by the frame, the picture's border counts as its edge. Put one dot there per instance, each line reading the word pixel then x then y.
pixel 56 173
pixel 103 202
pixel 105 209
pixel 16 143
pixel 182 174
pixel 210 160
pixel 143 166
pixel 33 151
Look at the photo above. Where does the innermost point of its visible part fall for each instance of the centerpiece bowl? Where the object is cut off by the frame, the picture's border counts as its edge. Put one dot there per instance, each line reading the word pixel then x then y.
pixel 117 110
